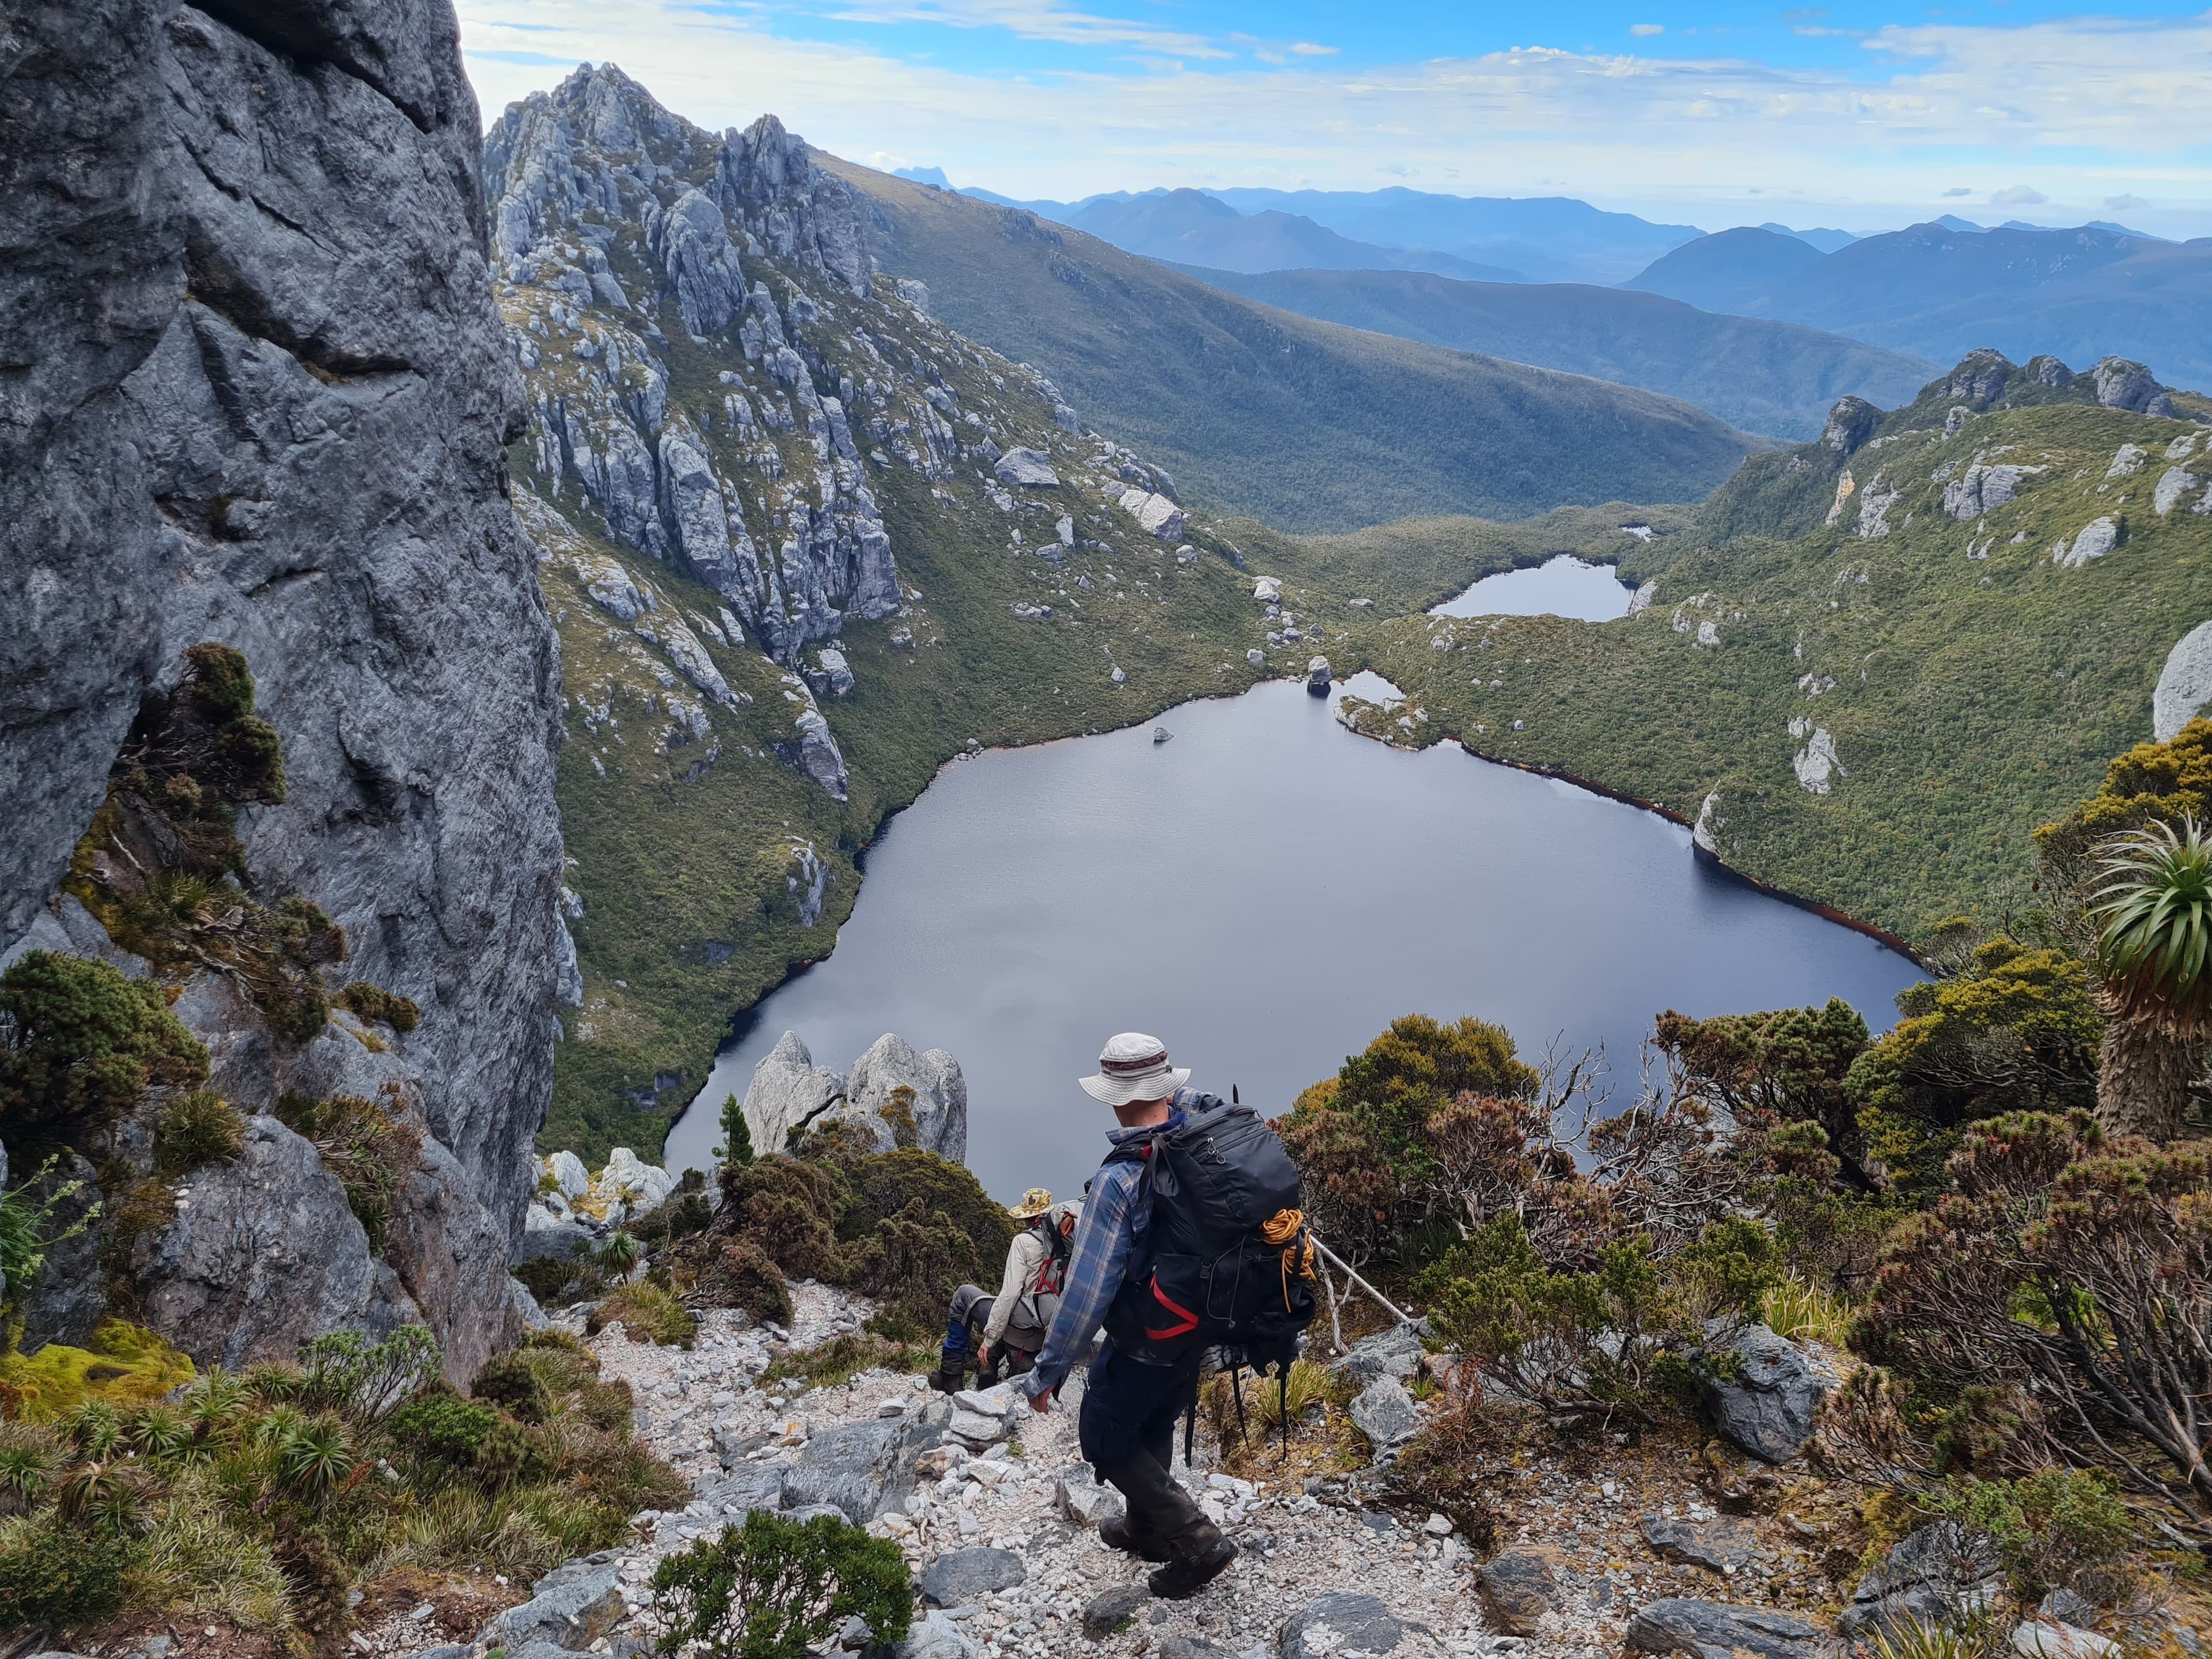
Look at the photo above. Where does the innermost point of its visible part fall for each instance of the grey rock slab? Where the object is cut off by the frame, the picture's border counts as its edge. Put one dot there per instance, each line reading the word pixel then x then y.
pixel 2049 1638
pixel 1518 1589
pixel 1941 1572
pixel 1085 1501
pixel 451 1650
pixel 788 1091
pixel 1028 469
pixel 1385 1413
pixel 960 1576
pixel 1395 1353
pixel 1767 1406
pixel 264 1253
pixel 863 1467
pixel 1172 1646
pixel 1713 1630
pixel 1333 1627
pixel 936 1637
pixel 1722 1546
pixel 1113 1609
pixel 2067 1607
pixel 2185 684
pixel 571 1607
pixel 748 1487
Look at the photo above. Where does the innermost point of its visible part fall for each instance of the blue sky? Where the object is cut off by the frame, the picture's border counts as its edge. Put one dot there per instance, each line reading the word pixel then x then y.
pixel 1716 112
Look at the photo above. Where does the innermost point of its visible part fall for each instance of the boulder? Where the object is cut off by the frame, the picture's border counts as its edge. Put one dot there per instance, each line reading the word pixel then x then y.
pixel 1085 1501
pixel 1851 423
pixel 265 1254
pixel 748 1487
pixel 571 1607
pixel 832 674
pixel 2173 485
pixel 2129 385
pixel 788 1092
pixel 1268 590
pixel 628 1187
pixel 1385 1413
pixel 2185 684
pixel 1172 1646
pixel 864 1467
pixel 1331 1626
pixel 2097 538
pixel 1766 1407
pixel 1722 1546
pixel 1110 1611
pixel 544 1234
pixel 1943 1571
pixel 570 1178
pixel 1517 1589
pixel 935 1118
pixel 1318 676
pixel 1713 1629
pixel 1026 469
pixel 2048 1638
pixel 958 1576
pixel 1395 1353
pixel 935 1637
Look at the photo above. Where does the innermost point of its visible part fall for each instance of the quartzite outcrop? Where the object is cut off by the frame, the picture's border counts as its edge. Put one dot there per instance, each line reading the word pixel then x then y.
pixel 256 392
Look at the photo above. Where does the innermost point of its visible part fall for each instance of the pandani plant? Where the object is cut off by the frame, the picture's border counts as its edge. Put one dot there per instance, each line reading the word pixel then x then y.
pixel 2153 910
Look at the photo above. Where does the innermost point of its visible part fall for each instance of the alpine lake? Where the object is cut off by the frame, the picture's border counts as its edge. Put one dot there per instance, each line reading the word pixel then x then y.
pixel 1265 892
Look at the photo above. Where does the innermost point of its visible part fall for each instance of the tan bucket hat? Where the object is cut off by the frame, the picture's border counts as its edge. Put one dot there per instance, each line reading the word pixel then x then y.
pixel 1035 1202
pixel 1134 1067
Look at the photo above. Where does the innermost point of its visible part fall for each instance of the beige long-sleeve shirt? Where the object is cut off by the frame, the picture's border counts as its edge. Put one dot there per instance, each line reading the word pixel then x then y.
pixel 1025 1258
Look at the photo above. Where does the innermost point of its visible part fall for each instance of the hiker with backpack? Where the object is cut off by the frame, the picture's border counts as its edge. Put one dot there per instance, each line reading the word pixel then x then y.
pixel 1003 1332
pixel 1191 1239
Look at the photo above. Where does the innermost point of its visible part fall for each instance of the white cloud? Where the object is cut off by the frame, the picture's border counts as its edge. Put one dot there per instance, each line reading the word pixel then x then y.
pixel 1642 30
pixel 1308 49
pixel 1027 20
pixel 2129 96
pixel 2019 195
pixel 2122 204
pixel 1957 190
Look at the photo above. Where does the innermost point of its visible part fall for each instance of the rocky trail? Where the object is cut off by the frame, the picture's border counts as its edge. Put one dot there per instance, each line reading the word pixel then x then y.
pixel 997 1514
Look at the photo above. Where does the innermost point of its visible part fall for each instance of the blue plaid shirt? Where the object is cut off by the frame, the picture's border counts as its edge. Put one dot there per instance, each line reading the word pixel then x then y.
pixel 1117 1212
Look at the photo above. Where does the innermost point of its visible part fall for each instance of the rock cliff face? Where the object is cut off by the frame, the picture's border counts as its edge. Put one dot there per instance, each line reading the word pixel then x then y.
pixel 257 392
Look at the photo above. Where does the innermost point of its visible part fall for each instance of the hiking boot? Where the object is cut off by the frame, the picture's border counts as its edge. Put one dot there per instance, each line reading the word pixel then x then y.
pixel 1115 1535
pixel 1185 1575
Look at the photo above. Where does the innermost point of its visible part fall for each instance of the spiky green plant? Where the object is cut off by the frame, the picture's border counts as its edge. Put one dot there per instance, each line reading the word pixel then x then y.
pixel 2154 909
pixel 313 1456
pixel 618 1253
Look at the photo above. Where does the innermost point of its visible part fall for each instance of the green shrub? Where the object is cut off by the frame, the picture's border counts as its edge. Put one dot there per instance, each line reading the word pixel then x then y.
pixel 370 1151
pixel 79 1043
pixel 28 1230
pixel 689 1214
pixel 545 1278
pixel 376 1005
pixel 2057 1529
pixel 368 1380
pixel 511 1381
pixel 775 1588
pixel 1589 1343
pixel 200 1129
pixel 444 1427
pixel 58 1575
pixel 1728 1269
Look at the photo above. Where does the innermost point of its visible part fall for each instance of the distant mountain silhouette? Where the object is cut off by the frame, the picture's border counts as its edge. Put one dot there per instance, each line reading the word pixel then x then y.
pixel 1939 292
pixel 1192 227
pixel 1763 376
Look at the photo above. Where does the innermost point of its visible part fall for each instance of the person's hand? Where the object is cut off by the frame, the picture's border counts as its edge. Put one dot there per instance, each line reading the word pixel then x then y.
pixel 1041 1403
pixel 983 1356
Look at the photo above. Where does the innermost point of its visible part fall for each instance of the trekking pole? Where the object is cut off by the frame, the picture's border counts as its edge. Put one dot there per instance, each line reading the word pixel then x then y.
pixel 1351 1273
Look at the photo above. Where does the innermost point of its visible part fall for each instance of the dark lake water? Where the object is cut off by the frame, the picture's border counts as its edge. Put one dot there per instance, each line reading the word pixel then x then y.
pixel 1266 893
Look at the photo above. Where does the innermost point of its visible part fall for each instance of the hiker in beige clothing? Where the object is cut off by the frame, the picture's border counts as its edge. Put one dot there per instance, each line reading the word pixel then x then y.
pixel 999 1336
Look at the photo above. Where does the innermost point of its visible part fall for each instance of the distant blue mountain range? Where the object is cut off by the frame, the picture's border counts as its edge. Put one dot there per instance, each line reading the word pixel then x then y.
pixel 1940 290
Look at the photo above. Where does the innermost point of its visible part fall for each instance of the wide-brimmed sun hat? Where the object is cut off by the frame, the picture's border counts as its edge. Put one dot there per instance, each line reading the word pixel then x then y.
pixel 1134 1067
pixel 1035 1202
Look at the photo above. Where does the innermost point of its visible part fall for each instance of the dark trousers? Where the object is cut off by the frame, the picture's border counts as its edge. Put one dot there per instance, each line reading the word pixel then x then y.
pixel 1127 1430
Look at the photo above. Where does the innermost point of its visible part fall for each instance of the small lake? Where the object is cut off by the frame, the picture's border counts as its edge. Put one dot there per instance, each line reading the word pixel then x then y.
pixel 1265 893
pixel 1562 585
